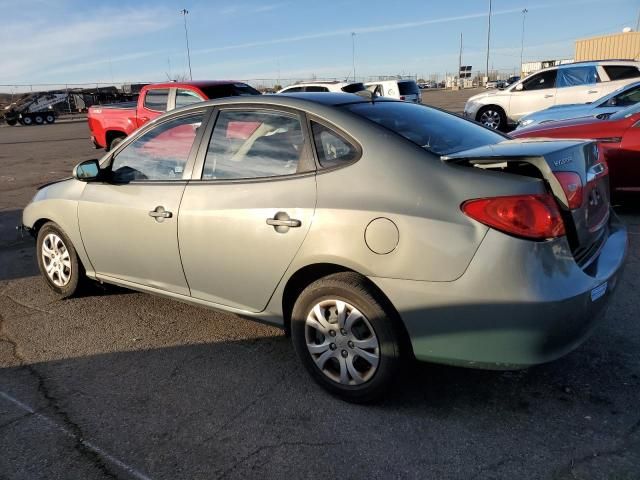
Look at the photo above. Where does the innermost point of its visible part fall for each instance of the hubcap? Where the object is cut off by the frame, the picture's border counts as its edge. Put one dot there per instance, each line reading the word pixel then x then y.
pixel 342 342
pixel 490 118
pixel 56 260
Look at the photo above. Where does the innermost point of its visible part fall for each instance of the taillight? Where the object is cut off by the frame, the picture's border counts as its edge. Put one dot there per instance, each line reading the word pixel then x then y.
pixel 402 97
pixel 571 184
pixel 530 216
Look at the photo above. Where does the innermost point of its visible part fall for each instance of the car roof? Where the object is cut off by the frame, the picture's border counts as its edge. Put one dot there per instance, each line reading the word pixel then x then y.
pixel 598 62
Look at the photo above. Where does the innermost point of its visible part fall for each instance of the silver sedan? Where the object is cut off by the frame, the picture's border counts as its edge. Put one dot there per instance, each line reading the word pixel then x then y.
pixel 370 229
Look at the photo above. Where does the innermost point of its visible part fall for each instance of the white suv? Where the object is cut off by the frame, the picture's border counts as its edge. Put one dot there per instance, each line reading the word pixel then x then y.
pixel 580 82
pixel 349 87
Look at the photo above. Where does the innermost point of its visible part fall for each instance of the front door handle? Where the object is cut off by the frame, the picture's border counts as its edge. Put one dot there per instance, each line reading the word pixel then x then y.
pixel 593 91
pixel 281 222
pixel 159 213
pixel 548 95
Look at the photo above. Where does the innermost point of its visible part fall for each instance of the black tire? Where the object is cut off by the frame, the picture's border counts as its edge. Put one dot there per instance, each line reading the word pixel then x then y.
pixel 50 118
pixel 38 119
pixel 115 142
pixel 12 122
pixel 492 117
pixel 27 120
pixel 77 278
pixel 356 291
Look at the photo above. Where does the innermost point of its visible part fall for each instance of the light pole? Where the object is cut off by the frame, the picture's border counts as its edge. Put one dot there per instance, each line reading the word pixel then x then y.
pixel 488 39
pixel 524 16
pixel 184 13
pixel 353 54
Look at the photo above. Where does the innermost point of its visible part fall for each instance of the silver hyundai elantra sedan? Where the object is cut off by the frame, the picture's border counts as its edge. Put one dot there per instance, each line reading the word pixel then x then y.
pixel 369 229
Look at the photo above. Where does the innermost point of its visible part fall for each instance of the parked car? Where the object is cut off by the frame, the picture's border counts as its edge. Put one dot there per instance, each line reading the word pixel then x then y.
pixel 405 90
pixel 580 82
pixel 619 139
pixel 511 80
pixel 110 124
pixel 602 108
pixel 495 84
pixel 329 86
pixel 372 230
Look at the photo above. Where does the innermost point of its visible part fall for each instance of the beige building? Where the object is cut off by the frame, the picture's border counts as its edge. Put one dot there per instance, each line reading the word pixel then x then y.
pixel 619 46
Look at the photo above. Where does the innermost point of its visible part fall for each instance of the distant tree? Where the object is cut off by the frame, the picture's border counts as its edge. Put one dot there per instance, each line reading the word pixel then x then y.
pixel 422 80
pixel 277 87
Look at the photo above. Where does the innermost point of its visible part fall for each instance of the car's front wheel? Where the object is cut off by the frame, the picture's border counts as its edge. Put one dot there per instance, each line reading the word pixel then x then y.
pixel 58 261
pixel 347 337
pixel 492 117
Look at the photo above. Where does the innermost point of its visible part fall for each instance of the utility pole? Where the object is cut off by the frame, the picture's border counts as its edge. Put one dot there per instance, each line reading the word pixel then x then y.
pixel 524 16
pixel 353 54
pixel 460 60
pixel 638 21
pixel 488 39
pixel 184 13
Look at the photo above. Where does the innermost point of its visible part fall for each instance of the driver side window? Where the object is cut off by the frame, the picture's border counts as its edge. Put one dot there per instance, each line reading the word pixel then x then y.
pixel 159 154
pixel 541 81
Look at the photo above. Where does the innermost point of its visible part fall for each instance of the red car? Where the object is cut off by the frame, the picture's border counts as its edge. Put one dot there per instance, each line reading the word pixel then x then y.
pixel 110 124
pixel 619 139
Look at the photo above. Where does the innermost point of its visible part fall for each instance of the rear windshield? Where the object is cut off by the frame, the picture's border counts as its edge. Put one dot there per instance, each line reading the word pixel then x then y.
pixel 439 132
pixel 408 88
pixel 229 90
pixel 354 87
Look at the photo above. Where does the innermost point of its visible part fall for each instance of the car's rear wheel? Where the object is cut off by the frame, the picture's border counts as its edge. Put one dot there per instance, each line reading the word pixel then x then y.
pixel 347 337
pixel 492 117
pixel 58 261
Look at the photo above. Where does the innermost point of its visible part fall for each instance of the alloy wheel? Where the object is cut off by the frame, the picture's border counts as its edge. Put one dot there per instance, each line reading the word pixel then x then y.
pixel 342 342
pixel 56 260
pixel 490 119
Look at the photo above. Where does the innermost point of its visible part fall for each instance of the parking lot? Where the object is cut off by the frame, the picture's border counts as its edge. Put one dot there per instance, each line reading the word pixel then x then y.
pixel 118 384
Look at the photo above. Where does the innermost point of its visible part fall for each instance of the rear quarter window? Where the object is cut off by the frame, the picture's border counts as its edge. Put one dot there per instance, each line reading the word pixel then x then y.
pixel 621 72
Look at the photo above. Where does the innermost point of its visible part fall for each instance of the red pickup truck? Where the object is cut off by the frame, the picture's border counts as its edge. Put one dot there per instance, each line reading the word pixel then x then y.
pixel 110 124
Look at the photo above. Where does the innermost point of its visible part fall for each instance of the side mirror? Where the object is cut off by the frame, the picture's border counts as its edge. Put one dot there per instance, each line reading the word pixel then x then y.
pixel 518 88
pixel 87 170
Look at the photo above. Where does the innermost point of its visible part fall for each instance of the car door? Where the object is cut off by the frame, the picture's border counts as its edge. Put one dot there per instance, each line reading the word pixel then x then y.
pixel 579 84
pixel 154 104
pixel 535 93
pixel 128 222
pixel 249 207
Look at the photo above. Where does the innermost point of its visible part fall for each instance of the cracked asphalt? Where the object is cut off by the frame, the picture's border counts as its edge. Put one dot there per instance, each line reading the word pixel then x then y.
pixel 118 384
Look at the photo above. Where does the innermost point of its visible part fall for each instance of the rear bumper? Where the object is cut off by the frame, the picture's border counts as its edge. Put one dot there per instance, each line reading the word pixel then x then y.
pixel 519 303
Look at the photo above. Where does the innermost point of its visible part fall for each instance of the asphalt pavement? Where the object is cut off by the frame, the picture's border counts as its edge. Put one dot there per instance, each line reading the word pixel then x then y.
pixel 118 384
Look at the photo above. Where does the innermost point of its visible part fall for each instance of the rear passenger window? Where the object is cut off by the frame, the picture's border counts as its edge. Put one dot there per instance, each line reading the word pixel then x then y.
pixel 313 88
pixel 332 148
pixel 254 144
pixel 576 76
pixel 621 72
pixel 157 99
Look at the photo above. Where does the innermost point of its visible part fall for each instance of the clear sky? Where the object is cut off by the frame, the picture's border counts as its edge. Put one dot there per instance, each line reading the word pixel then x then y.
pixel 72 41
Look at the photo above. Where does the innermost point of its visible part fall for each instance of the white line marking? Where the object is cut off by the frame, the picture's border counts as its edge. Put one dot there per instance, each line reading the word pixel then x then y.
pixel 107 456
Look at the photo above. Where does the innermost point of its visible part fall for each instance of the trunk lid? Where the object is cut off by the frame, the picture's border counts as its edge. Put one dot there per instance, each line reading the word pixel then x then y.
pixel 586 223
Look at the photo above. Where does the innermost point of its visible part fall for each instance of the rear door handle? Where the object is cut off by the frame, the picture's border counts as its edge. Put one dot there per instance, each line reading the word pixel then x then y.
pixel 282 222
pixel 548 95
pixel 159 213
pixel 593 91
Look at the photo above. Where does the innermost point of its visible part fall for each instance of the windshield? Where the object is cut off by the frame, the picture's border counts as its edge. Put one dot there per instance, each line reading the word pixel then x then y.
pixel 439 132
pixel 626 112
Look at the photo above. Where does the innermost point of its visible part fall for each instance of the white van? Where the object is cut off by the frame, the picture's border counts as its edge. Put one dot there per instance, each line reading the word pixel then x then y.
pixel 405 90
